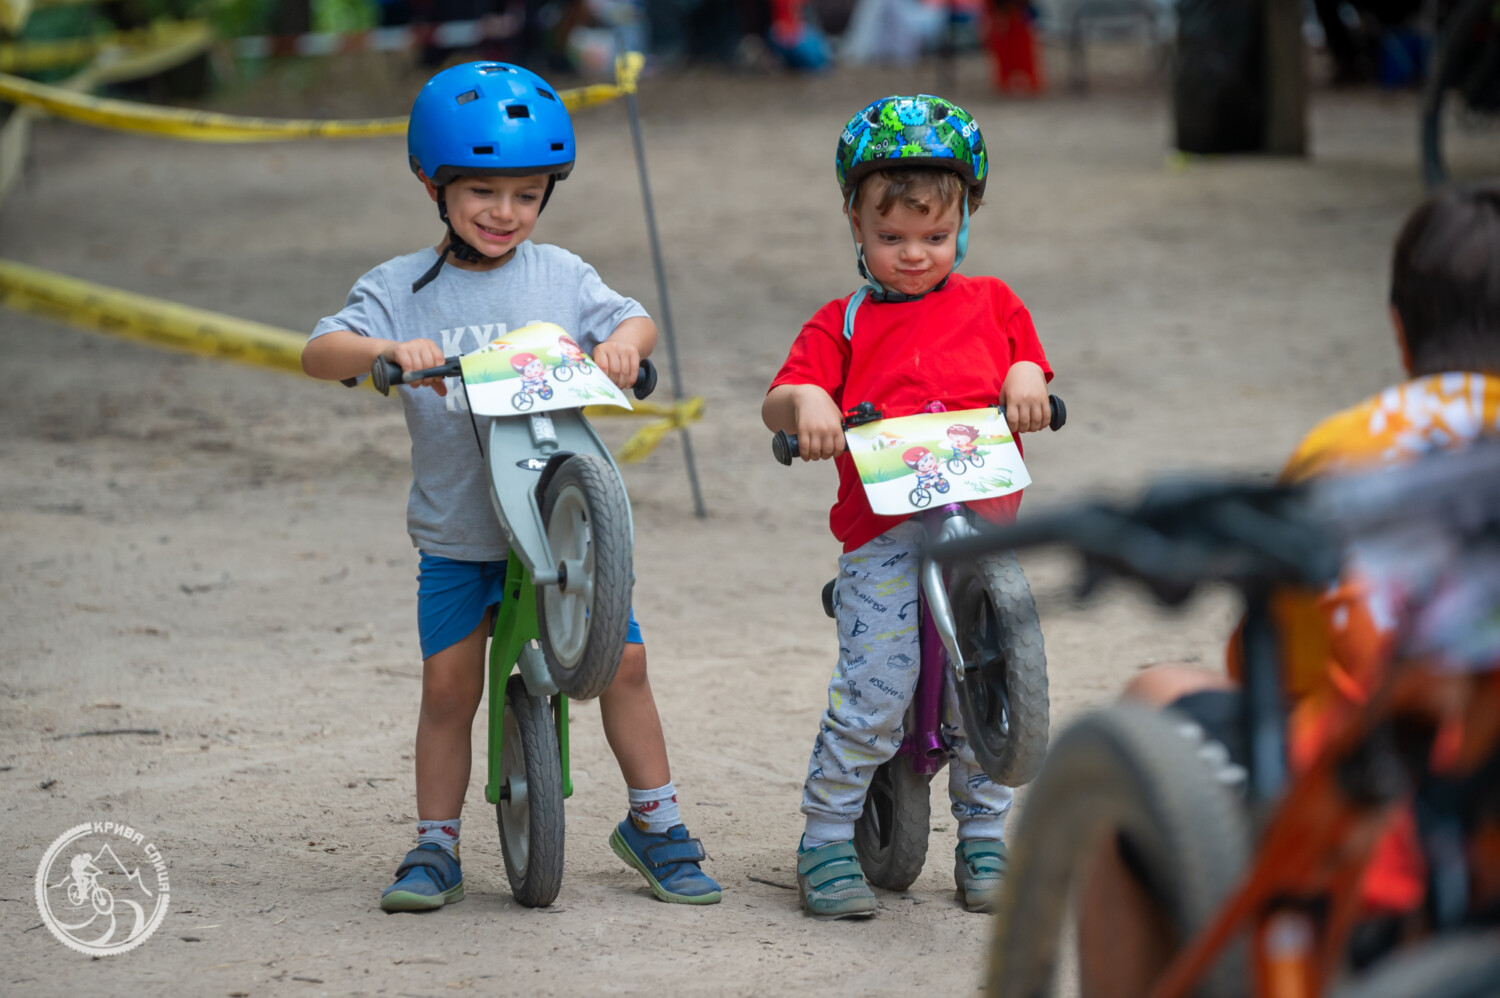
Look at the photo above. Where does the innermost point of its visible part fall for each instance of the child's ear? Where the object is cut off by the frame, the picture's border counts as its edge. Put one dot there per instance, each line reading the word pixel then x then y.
pixel 1401 339
pixel 859 235
pixel 432 189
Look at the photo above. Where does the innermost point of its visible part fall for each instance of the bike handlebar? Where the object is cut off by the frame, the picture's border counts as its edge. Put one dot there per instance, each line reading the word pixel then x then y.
pixel 784 445
pixel 386 373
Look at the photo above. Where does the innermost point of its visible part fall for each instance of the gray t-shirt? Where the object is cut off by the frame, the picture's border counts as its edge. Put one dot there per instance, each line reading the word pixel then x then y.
pixel 449 512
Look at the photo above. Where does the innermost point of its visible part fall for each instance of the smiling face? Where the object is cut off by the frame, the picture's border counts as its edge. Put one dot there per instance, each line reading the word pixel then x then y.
pixel 927 465
pixel 493 214
pixel 906 249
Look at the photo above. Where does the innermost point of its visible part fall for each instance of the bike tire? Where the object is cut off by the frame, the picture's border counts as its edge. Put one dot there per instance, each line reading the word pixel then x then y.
pixel 531 819
pixel 1124 771
pixel 1460 965
pixel 956 466
pixel 999 631
pixel 1454 53
pixel 890 835
pixel 583 636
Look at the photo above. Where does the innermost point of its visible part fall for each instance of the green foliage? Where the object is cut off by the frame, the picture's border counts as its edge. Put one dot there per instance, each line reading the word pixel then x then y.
pixel 344 16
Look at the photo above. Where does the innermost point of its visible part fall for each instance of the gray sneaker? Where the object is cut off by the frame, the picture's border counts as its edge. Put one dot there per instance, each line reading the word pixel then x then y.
pixel 833 885
pixel 978 871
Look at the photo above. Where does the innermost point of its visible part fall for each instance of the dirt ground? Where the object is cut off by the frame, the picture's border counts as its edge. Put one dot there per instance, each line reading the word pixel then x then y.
pixel 218 553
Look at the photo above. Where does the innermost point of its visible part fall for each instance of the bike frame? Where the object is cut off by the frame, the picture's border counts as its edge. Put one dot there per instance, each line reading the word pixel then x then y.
pixel 1301 898
pixel 515 644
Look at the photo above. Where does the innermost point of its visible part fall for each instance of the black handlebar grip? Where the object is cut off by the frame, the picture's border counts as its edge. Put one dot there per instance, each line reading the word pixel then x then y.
pixel 645 380
pixel 784 447
pixel 385 373
pixel 1059 413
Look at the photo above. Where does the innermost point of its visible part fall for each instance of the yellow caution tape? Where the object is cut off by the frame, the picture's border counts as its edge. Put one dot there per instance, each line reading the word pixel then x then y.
pixel 206 126
pixel 165 324
pixel 644 440
pixel 158 40
pixel 14 14
pixel 101 309
pixel 172 45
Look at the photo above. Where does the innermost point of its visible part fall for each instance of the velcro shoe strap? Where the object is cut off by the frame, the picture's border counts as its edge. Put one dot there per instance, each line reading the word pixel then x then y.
pixel 676 851
pixel 985 859
pixel 830 864
pixel 447 868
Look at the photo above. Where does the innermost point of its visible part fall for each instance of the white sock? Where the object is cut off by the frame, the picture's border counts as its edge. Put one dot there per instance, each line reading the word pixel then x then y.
pixel 444 833
pixel 655 811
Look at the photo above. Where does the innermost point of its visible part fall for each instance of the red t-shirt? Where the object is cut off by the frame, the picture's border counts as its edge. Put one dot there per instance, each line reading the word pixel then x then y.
pixel 953 346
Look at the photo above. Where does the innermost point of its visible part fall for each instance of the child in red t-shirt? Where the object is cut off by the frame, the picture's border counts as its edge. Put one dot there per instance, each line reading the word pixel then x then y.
pixel 911 169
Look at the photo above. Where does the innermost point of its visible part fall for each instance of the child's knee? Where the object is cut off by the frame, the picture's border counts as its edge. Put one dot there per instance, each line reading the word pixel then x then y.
pixel 450 698
pixel 632 672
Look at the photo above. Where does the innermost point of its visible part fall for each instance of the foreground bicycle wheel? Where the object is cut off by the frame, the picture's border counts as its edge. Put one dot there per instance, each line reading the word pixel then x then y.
pixel 1460 965
pixel 1004 701
pixel 1122 778
pixel 891 833
pixel 583 622
pixel 530 811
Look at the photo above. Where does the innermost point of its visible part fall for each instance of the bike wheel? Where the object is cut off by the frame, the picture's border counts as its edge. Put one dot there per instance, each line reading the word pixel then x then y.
pixel 956 466
pixel 530 811
pixel 583 626
pixel 1461 965
pixel 1004 701
pixel 976 459
pixel 563 372
pixel 919 497
pixel 521 400
pixel 1122 775
pixel 942 485
pixel 103 900
pixel 1466 57
pixel 546 392
pixel 891 833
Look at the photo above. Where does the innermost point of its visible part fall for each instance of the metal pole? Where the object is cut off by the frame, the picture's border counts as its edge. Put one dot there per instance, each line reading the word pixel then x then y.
pixel 699 509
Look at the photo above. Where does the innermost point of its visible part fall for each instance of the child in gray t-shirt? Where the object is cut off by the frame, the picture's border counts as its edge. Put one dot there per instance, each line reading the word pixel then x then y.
pixel 489 141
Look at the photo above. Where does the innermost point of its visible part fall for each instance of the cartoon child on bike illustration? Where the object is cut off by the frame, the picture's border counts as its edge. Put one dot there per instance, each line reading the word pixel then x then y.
pixel 533 380
pixel 573 357
pixel 925 463
pixel 964 439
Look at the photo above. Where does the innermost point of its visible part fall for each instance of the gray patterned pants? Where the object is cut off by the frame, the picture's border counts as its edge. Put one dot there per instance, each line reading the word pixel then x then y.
pixel 876 678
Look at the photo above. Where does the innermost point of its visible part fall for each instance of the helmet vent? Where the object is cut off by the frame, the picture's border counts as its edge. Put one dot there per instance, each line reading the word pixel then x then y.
pixel 484 150
pixel 557 147
pixel 467 96
pixel 872 115
pixel 546 93
pixel 517 111
pixel 496 67
pixel 939 113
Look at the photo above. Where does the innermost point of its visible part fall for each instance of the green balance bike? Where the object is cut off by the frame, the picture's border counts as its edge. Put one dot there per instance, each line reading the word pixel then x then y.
pixel 562 625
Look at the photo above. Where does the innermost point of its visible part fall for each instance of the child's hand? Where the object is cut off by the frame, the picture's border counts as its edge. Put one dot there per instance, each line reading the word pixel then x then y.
pixel 1024 396
pixel 820 425
pixel 415 355
pixel 620 361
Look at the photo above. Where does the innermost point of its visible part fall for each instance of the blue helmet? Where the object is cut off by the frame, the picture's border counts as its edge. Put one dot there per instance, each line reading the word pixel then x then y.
pixel 488 118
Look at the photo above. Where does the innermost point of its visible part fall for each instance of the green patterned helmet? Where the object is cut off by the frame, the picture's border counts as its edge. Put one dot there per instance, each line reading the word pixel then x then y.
pixel 912 131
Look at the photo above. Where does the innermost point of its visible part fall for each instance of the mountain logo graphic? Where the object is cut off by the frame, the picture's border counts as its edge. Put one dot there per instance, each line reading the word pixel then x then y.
pixel 102 888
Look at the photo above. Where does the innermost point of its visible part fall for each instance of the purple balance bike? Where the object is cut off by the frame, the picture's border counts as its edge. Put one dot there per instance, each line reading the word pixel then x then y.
pixel 978 619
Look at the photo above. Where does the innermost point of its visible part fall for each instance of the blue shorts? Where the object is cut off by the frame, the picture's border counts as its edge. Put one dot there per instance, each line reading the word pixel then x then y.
pixel 452 597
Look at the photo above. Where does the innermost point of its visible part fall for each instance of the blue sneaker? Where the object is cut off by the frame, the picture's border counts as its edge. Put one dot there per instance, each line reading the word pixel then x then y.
pixel 427 878
pixel 669 862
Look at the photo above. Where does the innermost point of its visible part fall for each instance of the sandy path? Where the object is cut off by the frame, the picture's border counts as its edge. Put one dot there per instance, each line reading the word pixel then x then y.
pixel 218 553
